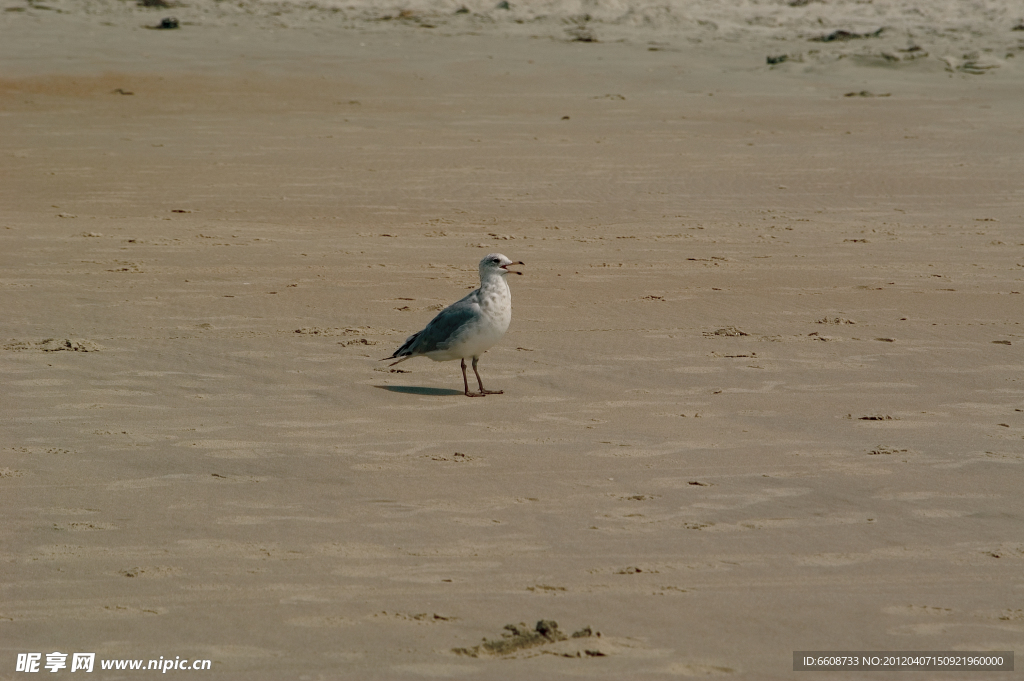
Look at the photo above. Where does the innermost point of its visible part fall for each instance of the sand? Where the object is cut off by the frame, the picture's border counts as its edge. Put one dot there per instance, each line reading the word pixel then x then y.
pixel 763 383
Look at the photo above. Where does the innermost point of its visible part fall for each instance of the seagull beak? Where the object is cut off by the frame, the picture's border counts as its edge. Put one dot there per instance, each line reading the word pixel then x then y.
pixel 519 262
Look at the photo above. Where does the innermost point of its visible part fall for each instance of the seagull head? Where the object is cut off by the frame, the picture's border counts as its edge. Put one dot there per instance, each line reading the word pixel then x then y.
pixel 497 263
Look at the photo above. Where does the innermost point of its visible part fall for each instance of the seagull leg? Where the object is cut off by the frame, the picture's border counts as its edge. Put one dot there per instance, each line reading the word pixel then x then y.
pixel 465 381
pixel 481 383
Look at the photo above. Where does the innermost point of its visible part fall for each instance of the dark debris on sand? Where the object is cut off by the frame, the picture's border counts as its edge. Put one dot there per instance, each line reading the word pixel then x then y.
pixel 519 637
pixel 51 345
pixel 842 35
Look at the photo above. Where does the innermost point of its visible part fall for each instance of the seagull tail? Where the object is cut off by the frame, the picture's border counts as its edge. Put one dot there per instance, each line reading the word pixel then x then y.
pixel 403 352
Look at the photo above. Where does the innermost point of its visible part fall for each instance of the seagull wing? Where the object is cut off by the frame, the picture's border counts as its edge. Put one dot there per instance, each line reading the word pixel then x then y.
pixel 443 330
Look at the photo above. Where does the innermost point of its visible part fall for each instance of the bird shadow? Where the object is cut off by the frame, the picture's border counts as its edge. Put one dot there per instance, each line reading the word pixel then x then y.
pixel 419 390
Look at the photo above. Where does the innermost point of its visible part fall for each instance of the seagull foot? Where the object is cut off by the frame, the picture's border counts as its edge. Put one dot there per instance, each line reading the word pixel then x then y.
pixel 469 394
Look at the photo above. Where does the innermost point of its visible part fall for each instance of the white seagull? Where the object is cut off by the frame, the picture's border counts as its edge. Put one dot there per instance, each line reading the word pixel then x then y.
pixel 469 327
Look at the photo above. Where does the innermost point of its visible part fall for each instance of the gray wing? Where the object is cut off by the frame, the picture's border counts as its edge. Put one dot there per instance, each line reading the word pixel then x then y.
pixel 442 329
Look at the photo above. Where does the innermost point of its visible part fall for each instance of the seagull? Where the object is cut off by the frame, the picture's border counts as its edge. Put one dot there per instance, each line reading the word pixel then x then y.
pixel 469 327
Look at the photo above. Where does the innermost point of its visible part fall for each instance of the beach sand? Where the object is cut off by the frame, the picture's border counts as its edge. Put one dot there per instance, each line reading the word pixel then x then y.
pixel 764 389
